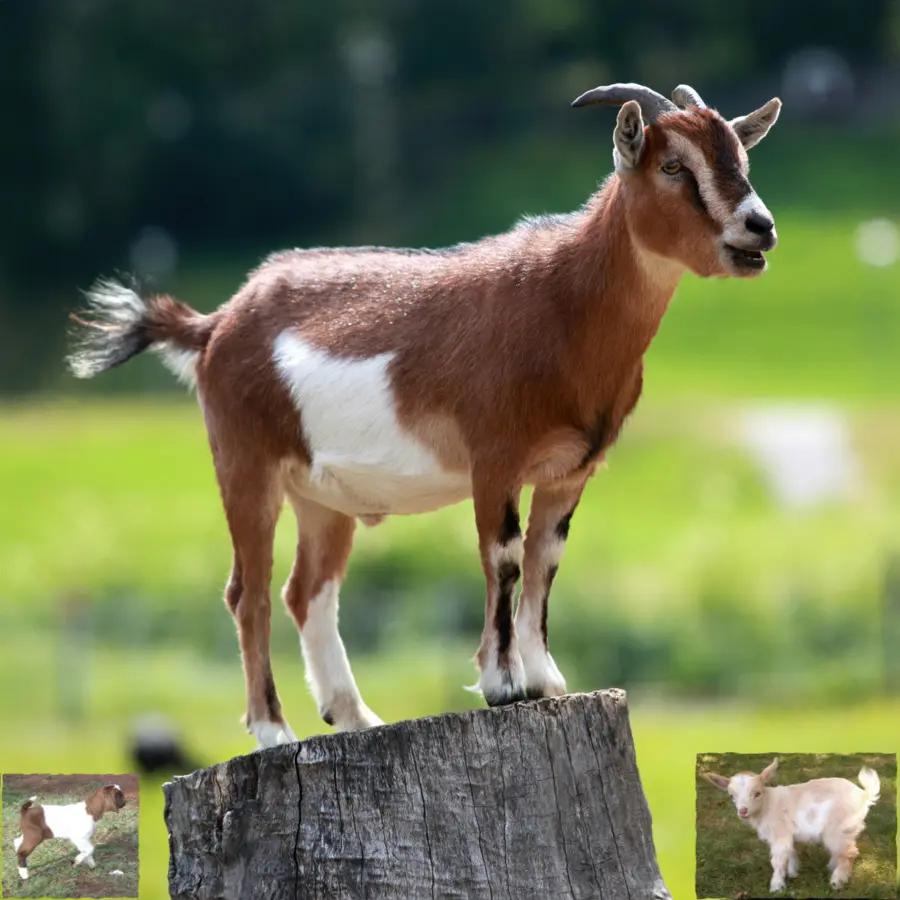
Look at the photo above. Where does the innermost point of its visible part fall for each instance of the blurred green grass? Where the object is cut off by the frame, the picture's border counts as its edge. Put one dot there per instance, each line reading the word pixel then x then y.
pixel 116 502
pixel 731 858
pixel 820 323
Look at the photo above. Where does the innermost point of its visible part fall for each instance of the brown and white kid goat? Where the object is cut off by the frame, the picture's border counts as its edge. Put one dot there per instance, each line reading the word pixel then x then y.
pixel 73 821
pixel 366 382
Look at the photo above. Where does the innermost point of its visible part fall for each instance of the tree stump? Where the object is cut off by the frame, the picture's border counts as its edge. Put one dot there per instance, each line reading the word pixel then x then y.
pixel 535 800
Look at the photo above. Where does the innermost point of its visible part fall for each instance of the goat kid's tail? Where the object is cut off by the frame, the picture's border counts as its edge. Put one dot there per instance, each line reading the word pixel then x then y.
pixel 27 804
pixel 119 323
pixel 871 785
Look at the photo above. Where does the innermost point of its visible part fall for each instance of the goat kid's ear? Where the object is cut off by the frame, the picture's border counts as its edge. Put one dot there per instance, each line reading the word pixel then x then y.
pixel 769 770
pixel 753 127
pixel 720 781
pixel 628 138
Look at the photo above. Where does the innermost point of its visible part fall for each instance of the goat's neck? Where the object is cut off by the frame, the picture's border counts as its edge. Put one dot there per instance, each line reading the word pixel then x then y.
pixel 621 290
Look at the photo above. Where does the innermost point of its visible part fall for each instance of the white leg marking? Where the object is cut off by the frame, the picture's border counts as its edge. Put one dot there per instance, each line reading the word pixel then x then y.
pixel 542 676
pixel 513 551
pixel 23 873
pixel 271 734
pixel 328 670
pixel 87 851
pixel 18 841
pixel 501 685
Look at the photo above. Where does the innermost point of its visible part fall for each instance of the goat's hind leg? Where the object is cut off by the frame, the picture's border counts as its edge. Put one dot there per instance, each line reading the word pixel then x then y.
pixel 841 863
pixel 311 596
pixel 23 849
pixel 252 495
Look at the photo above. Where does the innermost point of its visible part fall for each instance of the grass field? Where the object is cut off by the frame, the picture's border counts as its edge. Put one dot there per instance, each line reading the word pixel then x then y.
pixel 731 859
pixel 51 873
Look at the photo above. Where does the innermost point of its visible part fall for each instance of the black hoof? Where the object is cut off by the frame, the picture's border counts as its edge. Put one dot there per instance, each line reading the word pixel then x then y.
pixel 506 695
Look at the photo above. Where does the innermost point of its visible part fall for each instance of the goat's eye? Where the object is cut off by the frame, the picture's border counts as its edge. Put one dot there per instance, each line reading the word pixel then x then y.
pixel 672 168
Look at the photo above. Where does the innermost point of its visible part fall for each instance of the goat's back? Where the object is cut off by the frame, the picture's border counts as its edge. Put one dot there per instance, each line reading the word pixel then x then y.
pixel 826 804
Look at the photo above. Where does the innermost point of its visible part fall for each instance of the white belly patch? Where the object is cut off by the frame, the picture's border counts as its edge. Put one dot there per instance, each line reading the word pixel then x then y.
pixel 362 461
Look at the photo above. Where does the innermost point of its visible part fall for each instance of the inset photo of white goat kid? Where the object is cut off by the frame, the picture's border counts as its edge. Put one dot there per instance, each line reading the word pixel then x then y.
pixel 70 835
pixel 796 825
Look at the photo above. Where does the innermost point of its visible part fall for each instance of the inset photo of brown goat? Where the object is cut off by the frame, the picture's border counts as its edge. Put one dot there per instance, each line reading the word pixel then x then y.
pixel 70 835
pixel 797 825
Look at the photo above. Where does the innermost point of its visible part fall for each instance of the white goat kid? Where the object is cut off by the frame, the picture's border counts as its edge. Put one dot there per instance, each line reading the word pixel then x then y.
pixel 827 811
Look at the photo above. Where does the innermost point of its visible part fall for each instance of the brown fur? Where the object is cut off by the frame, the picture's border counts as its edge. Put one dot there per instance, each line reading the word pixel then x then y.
pixel 34 830
pixel 516 360
pixel 106 799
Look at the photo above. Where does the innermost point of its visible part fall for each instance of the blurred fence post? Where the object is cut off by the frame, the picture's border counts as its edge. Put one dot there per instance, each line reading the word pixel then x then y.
pixel 73 656
pixel 535 800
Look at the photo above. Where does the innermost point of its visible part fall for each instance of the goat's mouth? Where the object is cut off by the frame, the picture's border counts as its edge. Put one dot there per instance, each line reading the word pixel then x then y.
pixel 750 260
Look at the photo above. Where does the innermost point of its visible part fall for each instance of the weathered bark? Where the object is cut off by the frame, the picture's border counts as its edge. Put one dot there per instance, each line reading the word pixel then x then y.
pixel 534 800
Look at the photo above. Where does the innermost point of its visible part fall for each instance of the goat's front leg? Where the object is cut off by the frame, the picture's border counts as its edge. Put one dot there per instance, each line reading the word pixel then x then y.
pixel 86 851
pixel 502 678
pixel 781 857
pixel 793 867
pixel 548 527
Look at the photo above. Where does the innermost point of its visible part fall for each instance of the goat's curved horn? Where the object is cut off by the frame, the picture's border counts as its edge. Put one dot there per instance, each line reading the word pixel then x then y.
pixel 652 104
pixel 684 95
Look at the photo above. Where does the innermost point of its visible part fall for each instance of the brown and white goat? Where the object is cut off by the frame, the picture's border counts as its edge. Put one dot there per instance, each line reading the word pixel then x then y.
pixel 73 821
pixel 367 382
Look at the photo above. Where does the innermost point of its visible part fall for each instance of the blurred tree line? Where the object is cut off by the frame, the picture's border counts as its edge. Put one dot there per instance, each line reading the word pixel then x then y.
pixel 219 127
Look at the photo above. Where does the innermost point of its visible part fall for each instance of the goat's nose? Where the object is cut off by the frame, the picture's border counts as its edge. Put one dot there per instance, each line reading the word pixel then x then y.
pixel 759 223
pixel 743 810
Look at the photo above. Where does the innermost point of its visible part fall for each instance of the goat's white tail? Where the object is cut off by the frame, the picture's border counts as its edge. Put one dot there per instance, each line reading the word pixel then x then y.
pixel 871 784
pixel 119 323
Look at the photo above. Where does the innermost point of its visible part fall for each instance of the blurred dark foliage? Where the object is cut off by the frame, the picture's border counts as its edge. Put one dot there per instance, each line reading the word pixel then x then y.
pixel 247 125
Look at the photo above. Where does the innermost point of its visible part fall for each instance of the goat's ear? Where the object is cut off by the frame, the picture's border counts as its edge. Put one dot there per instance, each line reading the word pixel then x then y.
pixel 753 127
pixel 720 781
pixel 769 770
pixel 628 138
